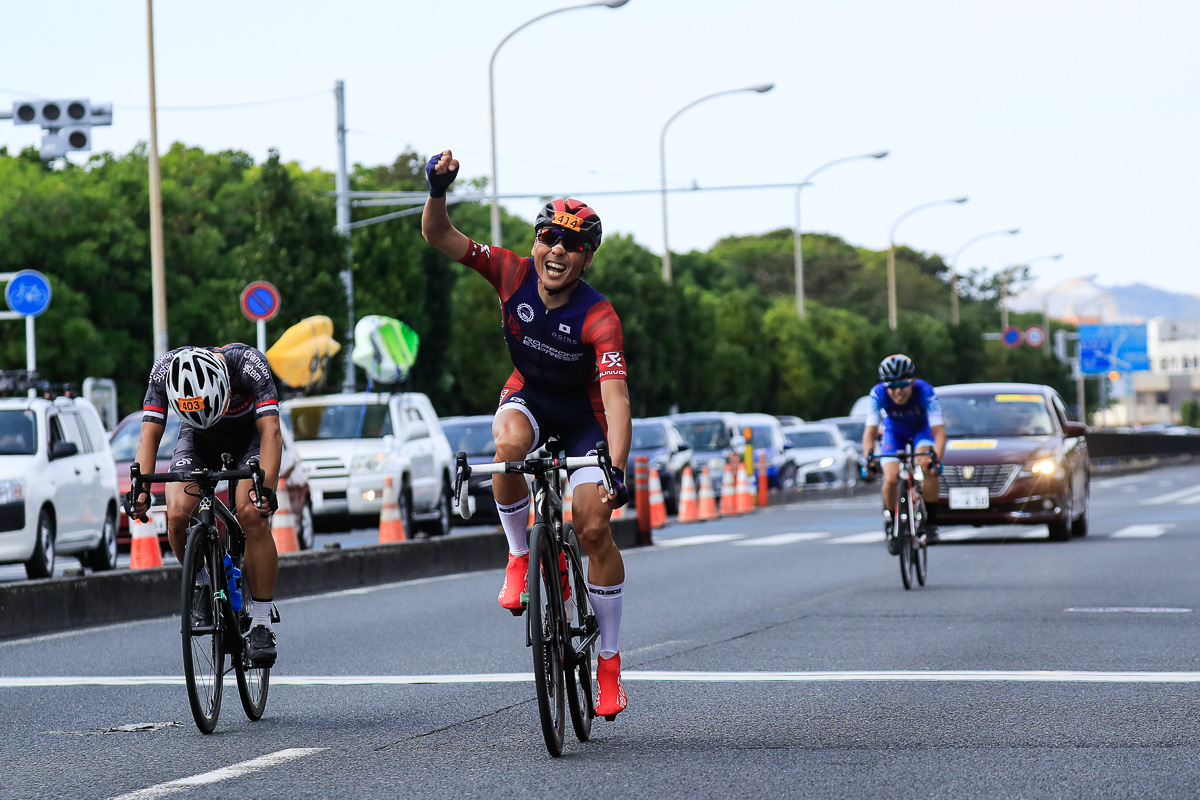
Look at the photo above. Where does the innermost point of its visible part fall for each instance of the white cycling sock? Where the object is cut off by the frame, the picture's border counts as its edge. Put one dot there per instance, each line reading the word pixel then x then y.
pixel 606 602
pixel 261 615
pixel 515 520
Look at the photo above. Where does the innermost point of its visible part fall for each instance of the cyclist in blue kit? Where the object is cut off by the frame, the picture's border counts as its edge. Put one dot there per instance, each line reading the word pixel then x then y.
pixel 907 410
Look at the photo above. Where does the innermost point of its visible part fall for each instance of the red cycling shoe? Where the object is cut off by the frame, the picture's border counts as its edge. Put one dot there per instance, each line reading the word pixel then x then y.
pixel 611 699
pixel 512 595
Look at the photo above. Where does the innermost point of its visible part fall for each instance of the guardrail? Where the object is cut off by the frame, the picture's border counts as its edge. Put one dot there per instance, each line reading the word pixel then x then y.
pixel 1106 444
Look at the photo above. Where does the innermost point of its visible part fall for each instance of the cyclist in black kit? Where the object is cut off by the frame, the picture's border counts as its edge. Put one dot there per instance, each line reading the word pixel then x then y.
pixel 226 402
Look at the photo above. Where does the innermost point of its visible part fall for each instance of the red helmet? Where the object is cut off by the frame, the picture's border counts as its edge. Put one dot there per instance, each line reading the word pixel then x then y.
pixel 572 216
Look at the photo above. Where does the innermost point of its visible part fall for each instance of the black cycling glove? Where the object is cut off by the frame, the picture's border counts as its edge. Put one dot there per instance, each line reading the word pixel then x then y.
pixel 438 184
pixel 620 490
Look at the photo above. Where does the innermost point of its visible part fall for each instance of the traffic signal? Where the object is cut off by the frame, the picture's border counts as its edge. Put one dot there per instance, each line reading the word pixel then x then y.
pixel 51 113
pixel 68 123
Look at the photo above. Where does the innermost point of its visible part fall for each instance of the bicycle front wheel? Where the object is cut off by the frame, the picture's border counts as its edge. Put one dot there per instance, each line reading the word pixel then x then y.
pixel 920 547
pixel 203 648
pixel 580 638
pixel 253 682
pixel 903 529
pixel 546 634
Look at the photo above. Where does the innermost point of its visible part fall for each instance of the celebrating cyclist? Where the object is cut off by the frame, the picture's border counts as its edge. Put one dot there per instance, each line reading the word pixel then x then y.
pixel 569 382
pixel 909 411
pixel 226 403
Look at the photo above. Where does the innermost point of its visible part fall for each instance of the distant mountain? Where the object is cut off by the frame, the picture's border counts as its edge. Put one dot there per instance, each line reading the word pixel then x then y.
pixel 1082 300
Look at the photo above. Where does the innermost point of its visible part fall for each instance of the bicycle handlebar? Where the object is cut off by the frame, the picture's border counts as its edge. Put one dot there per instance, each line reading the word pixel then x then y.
pixel 140 483
pixel 529 466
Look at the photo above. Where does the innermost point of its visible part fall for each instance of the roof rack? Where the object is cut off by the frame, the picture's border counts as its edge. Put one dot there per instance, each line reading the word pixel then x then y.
pixel 17 382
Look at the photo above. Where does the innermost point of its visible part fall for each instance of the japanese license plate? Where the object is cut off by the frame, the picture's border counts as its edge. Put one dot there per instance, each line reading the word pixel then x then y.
pixel 969 498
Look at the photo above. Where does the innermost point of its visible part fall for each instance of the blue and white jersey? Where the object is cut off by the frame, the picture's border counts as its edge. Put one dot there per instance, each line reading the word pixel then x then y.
pixel 920 412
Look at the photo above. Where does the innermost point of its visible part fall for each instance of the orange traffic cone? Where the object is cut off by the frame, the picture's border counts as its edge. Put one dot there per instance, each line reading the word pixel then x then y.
pixel 729 497
pixel 658 509
pixel 687 498
pixel 391 527
pixel 283 523
pixel 707 499
pixel 568 495
pixel 144 551
pixel 745 496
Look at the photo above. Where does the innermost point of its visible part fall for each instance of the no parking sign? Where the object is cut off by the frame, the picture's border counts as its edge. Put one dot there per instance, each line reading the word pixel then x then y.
pixel 260 301
pixel 1011 336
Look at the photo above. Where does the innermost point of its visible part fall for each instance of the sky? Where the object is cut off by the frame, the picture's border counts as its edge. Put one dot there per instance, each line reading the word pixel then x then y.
pixel 1074 120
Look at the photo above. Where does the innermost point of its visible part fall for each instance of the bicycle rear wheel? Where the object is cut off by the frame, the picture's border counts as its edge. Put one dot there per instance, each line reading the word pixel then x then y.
pixel 546 634
pixel 203 647
pixel 903 523
pixel 253 682
pixel 580 639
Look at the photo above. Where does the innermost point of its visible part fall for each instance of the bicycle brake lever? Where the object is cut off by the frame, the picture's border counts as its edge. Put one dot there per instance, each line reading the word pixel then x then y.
pixel 605 466
pixel 462 475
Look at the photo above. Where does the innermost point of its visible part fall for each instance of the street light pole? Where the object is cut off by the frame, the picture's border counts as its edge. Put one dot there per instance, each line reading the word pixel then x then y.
pixel 492 100
pixel 799 256
pixel 158 275
pixel 662 161
pixel 891 261
pixel 954 266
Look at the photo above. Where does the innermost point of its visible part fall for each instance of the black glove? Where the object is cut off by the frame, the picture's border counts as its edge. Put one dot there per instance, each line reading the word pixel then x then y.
pixel 438 184
pixel 620 490
pixel 272 502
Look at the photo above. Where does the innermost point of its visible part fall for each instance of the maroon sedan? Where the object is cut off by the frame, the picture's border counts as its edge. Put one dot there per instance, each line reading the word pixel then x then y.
pixel 1013 457
pixel 124 441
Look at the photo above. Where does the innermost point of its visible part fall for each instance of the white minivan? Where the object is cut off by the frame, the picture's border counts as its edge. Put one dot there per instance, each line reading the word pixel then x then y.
pixel 351 443
pixel 58 485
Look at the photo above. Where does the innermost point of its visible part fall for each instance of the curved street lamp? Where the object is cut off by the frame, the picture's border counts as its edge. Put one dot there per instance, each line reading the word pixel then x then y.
pixel 492 100
pixel 799 257
pixel 954 266
pixel 662 160
pixel 891 262
pixel 1008 276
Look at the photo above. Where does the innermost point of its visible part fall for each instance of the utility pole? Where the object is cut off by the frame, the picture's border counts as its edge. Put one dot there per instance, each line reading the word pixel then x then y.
pixel 343 228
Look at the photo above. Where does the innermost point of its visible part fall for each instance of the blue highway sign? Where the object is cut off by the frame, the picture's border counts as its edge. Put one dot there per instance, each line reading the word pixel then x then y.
pixel 1103 348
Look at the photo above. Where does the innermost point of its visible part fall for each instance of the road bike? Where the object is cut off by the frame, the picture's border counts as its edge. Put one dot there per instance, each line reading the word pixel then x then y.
pixel 561 627
pixel 909 516
pixel 226 628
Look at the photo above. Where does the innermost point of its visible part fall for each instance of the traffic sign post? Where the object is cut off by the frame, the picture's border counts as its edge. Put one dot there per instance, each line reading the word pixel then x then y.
pixel 260 302
pixel 1011 336
pixel 27 294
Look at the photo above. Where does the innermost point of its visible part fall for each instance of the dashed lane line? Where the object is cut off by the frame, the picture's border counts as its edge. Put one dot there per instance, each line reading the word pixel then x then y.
pixel 1141 532
pixel 783 538
pixel 218 775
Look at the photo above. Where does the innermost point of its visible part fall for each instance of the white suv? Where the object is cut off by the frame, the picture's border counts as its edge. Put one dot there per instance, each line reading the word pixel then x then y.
pixel 58 485
pixel 350 443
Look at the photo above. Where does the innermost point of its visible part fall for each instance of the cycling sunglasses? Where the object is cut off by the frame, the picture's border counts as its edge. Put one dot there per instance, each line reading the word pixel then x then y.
pixel 899 384
pixel 553 236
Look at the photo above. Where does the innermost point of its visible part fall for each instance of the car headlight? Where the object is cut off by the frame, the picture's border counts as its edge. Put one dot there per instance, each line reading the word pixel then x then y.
pixel 1043 466
pixel 12 491
pixel 825 462
pixel 368 462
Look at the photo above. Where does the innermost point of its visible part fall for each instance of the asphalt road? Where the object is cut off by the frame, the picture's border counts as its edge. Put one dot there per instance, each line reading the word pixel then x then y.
pixel 765 656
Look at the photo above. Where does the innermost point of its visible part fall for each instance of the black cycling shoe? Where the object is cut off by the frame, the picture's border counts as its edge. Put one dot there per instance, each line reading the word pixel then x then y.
pixel 262 646
pixel 202 616
pixel 931 535
pixel 893 543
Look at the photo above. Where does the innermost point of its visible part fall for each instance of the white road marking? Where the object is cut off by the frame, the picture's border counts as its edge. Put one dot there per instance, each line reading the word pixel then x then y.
pixel 1188 495
pixel 859 538
pixel 667 676
pixel 1141 531
pixel 959 534
pixel 223 774
pixel 782 538
pixel 1037 532
pixel 1131 610
pixel 705 538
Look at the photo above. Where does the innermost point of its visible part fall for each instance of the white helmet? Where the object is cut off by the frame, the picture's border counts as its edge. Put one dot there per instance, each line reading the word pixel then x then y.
pixel 198 386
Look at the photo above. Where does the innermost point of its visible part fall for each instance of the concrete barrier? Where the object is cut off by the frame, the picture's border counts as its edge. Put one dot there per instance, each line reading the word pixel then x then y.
pixel 44 606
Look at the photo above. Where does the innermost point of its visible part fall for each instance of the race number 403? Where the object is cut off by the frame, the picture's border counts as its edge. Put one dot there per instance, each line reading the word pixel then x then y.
pixel 191 404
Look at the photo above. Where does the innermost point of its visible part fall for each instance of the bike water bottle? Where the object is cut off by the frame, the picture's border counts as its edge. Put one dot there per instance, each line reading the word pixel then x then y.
pixel 235 583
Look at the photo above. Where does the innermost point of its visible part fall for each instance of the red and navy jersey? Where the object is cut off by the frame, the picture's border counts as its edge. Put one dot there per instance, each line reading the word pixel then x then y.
pixel 251 389
pixel 578 344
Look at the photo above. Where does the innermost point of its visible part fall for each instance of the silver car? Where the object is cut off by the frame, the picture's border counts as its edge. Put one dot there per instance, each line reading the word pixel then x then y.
pixel 825 457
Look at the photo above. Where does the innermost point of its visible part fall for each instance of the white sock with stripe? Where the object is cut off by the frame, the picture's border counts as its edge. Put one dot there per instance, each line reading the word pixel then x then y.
pixel 607 602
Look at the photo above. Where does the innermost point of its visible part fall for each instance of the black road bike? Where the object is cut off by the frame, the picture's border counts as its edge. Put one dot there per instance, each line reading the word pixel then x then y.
pixel 562 631
pixel 206 641
pixel 909 516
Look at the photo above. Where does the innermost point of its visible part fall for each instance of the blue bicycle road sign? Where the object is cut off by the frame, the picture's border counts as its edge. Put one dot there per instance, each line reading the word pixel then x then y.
pixel 28 293
pixel 1104 348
